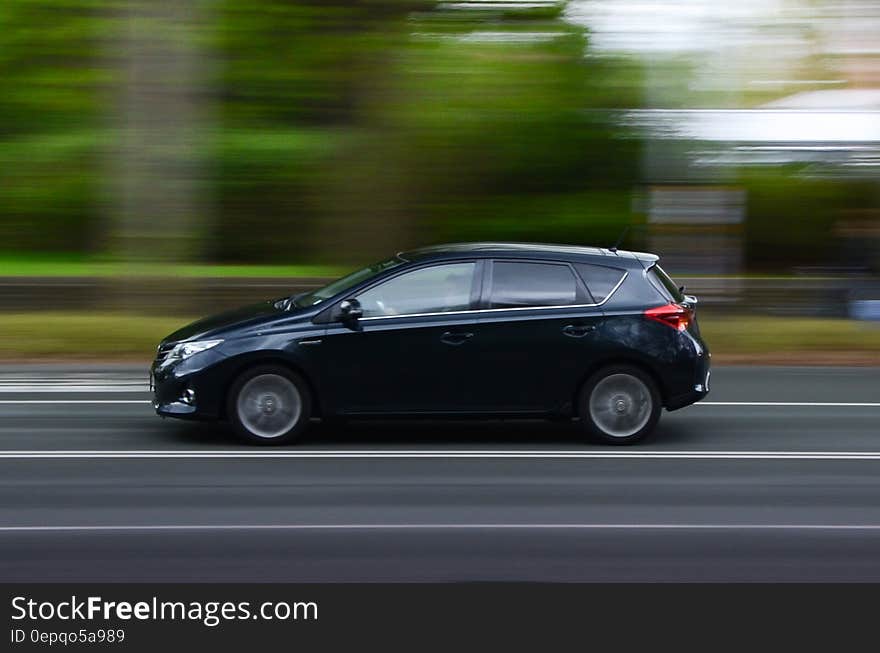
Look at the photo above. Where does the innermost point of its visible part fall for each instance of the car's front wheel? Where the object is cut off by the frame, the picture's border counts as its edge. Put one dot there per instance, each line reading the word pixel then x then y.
pixel 620 404
pixel 269 405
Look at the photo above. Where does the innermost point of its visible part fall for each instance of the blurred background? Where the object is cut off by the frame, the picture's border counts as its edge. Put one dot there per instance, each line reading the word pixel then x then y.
pixel 162 159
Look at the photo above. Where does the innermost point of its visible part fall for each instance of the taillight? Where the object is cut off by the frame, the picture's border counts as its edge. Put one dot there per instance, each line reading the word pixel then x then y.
pixel 674 315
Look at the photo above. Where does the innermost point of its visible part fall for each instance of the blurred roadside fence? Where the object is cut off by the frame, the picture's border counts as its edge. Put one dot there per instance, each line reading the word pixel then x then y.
pixel 811 294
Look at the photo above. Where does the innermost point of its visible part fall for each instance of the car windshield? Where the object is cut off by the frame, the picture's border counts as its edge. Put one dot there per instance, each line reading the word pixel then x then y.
pixel 344 283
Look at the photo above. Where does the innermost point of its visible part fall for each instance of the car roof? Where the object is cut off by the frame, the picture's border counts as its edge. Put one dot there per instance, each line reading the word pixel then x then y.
pixel 548 251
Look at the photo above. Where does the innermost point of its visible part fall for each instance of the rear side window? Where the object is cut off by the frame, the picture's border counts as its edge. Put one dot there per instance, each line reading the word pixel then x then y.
pixel 600 280
pixel 516 285
pixel 666 283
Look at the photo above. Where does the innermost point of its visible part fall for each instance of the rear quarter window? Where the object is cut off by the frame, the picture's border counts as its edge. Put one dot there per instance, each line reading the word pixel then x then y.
pixel 665 283
pixel 600 280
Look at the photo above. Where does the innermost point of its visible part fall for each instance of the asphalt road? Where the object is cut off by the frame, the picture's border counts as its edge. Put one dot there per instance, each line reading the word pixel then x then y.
pixel 775 477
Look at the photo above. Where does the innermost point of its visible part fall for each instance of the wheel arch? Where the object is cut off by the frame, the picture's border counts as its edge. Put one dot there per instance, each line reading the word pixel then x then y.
pixel 620 359
pixel 243 363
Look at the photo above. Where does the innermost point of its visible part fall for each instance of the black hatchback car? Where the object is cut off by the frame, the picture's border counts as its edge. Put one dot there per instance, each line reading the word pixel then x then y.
pixel 465 330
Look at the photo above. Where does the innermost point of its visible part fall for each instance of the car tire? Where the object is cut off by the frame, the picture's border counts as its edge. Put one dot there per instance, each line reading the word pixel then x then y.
pixel 619 404
pixel 269 405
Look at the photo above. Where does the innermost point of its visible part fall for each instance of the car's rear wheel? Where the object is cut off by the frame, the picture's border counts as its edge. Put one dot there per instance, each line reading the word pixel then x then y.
pixel 269 405
pixel 620 404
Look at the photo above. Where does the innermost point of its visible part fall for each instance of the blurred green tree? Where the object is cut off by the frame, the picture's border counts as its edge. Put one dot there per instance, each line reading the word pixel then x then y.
pixel 52 82
pixel 326 131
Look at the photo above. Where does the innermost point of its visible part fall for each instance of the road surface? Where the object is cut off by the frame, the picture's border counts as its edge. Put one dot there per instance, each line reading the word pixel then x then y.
pixel 775 477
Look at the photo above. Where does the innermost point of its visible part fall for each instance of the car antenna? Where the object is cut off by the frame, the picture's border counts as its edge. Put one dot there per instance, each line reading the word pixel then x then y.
pixel 623 234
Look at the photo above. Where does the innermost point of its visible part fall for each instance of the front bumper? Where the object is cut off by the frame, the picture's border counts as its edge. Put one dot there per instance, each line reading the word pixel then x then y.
pixel 180 394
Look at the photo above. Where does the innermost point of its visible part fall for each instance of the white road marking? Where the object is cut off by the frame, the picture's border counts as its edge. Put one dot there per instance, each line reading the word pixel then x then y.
pixel 819 404
pixel 430 526
pixel 65 388
pixel 848 404
pixel 17 402
pixel 440 454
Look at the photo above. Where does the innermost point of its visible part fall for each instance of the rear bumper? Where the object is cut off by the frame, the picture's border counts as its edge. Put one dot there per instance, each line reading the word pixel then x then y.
pixel 698 392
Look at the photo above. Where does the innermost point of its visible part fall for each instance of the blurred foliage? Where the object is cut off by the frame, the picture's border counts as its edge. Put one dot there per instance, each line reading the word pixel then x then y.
pixel 792 219
pixel 514 141
pixel 51 103
pixel 400 127
pixel 291 79
pixel 339 130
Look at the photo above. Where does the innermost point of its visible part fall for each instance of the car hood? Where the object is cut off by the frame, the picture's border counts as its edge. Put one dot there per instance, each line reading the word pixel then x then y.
pixel 222 323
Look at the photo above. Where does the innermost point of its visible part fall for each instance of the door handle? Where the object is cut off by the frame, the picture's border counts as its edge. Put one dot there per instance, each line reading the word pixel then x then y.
pixel 577 330
pixel 455 338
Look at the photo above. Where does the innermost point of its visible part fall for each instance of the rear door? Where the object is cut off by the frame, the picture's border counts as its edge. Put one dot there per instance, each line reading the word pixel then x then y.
pixel 536 335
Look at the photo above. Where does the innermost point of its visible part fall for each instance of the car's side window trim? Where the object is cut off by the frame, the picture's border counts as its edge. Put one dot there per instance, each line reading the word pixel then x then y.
pixel 588 279
pixel 479 283
pixel 486 278
pixel 475 283
pixel 325 316
pixel 615 288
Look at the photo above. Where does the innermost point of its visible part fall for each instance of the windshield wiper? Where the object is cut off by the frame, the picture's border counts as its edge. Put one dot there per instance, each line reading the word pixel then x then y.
pixel 290 302
pixel 286 303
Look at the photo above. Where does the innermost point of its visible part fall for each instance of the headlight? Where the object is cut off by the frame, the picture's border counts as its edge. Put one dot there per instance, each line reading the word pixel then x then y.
pixel 187 349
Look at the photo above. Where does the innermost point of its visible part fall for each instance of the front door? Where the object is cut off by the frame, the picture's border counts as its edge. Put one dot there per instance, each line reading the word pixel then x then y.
pixel 413 351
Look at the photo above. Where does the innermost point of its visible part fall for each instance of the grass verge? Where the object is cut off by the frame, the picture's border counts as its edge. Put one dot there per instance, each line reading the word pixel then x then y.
pixel 82 336
pixel 11 266
pixel 782 336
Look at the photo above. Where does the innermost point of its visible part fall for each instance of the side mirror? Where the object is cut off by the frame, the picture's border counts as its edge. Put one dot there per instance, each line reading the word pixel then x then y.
pixel 349 312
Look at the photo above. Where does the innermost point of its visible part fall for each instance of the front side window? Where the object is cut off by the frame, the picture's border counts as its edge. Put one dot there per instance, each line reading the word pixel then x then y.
pixel 437 289
pixel 519 285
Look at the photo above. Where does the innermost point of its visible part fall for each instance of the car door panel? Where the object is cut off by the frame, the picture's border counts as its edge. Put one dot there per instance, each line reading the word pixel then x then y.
pixel 401 365
pixel 421 361
pixel 533 359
